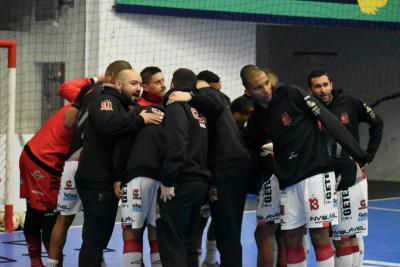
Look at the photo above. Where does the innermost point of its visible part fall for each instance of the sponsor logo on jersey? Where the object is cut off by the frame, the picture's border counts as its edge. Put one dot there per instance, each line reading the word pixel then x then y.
pixel 363 205
pixel 269 218
pixel 198 116
pixel 70 197
pixel 136 194
pixel 267 193
pixel 344 118
pixel 106 105
pixel 68 185
pixel 346 204
pixel 286 119
pixel 323 218
pixel 37 174
pixel 136 207
pixel 349 231
pixel 362 216
pixel 124 195
pixel 327 188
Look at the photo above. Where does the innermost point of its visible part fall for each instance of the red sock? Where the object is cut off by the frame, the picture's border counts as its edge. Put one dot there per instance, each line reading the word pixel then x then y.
pixel 132 245
pixel 323 252
pixel 343 251
pixel 153 246
pixel 295 255
pixel 35 250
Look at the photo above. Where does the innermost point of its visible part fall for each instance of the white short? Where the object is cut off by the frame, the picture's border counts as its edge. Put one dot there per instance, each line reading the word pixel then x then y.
pixel 69 202
pixel 312 202
pixel 353 211
pixel 268 202
pixel 205 211
pixel 139 202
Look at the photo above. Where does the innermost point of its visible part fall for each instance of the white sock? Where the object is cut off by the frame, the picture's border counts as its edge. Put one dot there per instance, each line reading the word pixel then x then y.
pixel 306 246
pixel 344 261
pixel 275 250
pixel 299 264
pixel 360 241
pixel 330 262
pixel 52 263
pixel 133 259
pixel 155 259
pixel 356 256
pixel 211 250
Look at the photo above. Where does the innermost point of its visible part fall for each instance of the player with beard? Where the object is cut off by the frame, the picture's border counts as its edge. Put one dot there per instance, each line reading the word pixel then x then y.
pixel 352 185
pixel 289 117
pixel 109 119
pixel 141 173
pixel 69 203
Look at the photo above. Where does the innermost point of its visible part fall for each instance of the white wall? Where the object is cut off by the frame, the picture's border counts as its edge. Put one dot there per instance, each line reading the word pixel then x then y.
pixel 45 42
pixel 170 43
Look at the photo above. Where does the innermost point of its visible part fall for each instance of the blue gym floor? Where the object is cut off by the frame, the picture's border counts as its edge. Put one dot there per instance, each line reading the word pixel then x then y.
pixel 382 245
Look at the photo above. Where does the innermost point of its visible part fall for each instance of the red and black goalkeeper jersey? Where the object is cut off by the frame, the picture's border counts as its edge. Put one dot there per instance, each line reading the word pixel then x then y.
pixel 50 145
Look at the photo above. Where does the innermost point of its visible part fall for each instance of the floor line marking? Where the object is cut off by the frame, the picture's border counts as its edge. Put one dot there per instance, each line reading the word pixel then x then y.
pixel 384 209
pixel 383 199
pixel 383 263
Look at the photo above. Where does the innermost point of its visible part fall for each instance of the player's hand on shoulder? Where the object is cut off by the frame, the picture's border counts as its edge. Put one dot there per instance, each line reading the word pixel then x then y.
pixel 151 118
pixel 179 97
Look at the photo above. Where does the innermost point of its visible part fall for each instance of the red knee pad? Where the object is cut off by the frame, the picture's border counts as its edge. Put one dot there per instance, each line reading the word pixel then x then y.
pixel 295 255
pixel 323 252
pixel 356 249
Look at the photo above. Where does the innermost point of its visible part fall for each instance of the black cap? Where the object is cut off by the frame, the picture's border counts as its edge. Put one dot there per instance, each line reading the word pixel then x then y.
pixel 208 76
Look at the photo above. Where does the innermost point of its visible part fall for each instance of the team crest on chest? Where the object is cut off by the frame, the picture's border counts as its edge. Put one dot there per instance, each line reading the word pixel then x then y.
pixel 286 119
pixel 202 120
pixel 344 118
pixel 106 105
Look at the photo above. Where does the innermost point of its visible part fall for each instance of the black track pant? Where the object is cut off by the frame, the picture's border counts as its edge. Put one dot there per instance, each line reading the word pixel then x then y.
pixel 100 208
pixel 227 213
pixel 177 226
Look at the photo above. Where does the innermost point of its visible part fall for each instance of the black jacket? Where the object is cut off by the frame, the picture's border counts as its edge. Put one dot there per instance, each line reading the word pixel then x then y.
pixel 185 143
pixel 351 112
pixel 93 90
pixel 291 120
pixel 226 148
pixel 146 150
pixel 109 119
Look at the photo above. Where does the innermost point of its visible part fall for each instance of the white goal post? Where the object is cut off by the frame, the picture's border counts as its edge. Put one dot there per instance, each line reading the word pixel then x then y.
pixel 11 45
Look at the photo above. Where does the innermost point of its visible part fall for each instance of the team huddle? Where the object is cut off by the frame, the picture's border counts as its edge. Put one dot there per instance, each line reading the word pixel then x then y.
pixel 175 158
